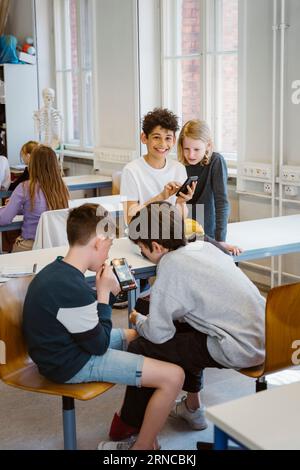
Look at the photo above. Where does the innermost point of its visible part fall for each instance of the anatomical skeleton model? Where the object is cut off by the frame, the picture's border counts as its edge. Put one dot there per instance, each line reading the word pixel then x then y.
pixel 48 122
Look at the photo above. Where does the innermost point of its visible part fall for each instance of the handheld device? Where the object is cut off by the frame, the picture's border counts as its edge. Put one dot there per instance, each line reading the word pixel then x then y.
pixel 124 275
pixel 187 183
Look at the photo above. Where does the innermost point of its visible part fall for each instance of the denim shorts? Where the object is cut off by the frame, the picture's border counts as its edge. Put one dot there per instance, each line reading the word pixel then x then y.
pixel 116 365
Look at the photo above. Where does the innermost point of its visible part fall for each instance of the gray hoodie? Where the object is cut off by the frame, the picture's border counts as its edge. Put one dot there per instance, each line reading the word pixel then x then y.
pixel 202 286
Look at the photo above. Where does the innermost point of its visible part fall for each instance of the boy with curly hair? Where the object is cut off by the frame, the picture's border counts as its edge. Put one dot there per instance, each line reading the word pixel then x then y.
pixel 154 177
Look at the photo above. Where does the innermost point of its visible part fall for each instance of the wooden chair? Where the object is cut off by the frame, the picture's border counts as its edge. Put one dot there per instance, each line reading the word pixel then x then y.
pixel 282 329
pixel 19 371
pixel 116 182
pixel 282 320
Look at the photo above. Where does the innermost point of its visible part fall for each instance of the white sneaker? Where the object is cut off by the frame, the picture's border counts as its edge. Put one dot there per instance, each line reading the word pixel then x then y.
pixel 196 419
pixel 117 445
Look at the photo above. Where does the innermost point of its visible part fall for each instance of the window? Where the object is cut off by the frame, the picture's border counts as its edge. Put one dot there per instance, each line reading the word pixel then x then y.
pixel 200 65
pixel 73 58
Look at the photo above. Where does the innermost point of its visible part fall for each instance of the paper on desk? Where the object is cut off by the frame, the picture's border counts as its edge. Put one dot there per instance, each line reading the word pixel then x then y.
pixel 8 272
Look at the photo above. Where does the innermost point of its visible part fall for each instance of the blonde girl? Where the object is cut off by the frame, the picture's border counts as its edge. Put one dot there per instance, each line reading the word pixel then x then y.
pixel 25 154
pixel 195 151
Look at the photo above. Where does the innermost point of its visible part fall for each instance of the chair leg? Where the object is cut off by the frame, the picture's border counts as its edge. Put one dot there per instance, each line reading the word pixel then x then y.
pixel 261 384
pixel 69 423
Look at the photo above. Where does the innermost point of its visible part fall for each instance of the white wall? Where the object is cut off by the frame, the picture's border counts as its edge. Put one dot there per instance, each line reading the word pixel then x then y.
pixel 255 80
pixel 116 74
pixel 292 111
pixel 150 57
pixel 45 45
pixel 255 102
pixel 150 54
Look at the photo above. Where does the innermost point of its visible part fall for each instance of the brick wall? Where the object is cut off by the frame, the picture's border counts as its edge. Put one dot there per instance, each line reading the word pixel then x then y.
pixel 191 70
pixel 190 67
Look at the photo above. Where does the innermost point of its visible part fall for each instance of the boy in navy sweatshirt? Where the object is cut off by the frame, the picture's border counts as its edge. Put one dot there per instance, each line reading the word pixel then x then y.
pixel 69 331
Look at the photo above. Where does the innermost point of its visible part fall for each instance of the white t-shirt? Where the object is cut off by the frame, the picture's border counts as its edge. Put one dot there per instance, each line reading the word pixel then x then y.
pixel 141 182
pixel 4 173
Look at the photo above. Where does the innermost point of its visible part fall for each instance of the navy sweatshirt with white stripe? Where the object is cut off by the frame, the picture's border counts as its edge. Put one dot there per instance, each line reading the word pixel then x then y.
pixel 63 323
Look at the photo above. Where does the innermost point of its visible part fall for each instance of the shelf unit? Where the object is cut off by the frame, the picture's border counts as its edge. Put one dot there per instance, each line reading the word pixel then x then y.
pixel 17 104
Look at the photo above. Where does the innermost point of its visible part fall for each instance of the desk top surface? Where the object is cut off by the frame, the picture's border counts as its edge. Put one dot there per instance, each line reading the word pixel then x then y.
pixel 256 237
pixel 110 203
pixel 85 179
pixel 78 182
pixel 121 248
pixel 265 420
pixel 277 235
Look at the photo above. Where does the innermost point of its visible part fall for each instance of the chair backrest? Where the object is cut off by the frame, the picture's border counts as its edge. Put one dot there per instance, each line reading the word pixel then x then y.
pixel 282 326
pixel 116 182
pixel 12 296
pixel 52 229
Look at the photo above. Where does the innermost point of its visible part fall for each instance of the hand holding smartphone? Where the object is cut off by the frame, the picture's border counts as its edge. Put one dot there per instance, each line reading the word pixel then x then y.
pixel 188 182
pixel 124 275
pixel 106 283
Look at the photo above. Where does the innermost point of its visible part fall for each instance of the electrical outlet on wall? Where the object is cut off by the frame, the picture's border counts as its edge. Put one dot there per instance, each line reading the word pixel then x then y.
pixel 291 190
pixel 257 171
pixel 268 188
pixel 290 173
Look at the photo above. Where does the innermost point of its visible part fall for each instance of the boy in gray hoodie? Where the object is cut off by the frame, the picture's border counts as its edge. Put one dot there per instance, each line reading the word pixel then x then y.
pixel 203 312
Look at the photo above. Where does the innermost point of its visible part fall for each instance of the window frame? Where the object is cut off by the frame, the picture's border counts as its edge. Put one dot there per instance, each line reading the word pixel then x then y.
pixel 63 75
pixel 211 32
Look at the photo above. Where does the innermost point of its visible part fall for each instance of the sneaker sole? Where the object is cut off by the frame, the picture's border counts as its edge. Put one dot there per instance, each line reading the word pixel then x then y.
pixel 197 428
pixel 193 426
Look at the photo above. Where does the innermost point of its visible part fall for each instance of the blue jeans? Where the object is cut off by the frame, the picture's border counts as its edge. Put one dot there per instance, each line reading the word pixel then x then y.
pixel 116 365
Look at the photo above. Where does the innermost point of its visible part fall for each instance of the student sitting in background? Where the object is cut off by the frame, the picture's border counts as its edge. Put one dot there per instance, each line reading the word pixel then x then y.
pixel 44 191
pixel 4 173
pixel 195 151
pixel 204 312
pixel 8 238
pixel 25 154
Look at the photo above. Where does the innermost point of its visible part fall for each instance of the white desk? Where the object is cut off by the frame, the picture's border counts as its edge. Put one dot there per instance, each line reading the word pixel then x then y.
pixel 79 182
pixel 266 237
pixel 16 224
pixel 259 238
pixel 268 420
pixel 256 237
pixel 122 247
pixel 88 182
pixel 112 204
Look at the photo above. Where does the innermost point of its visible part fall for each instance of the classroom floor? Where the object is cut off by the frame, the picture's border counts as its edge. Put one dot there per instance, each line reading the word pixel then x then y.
pixel 33 421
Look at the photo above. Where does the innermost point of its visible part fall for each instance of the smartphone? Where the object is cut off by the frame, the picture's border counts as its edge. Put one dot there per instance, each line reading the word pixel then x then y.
pixel 124 275
pixel 188 182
